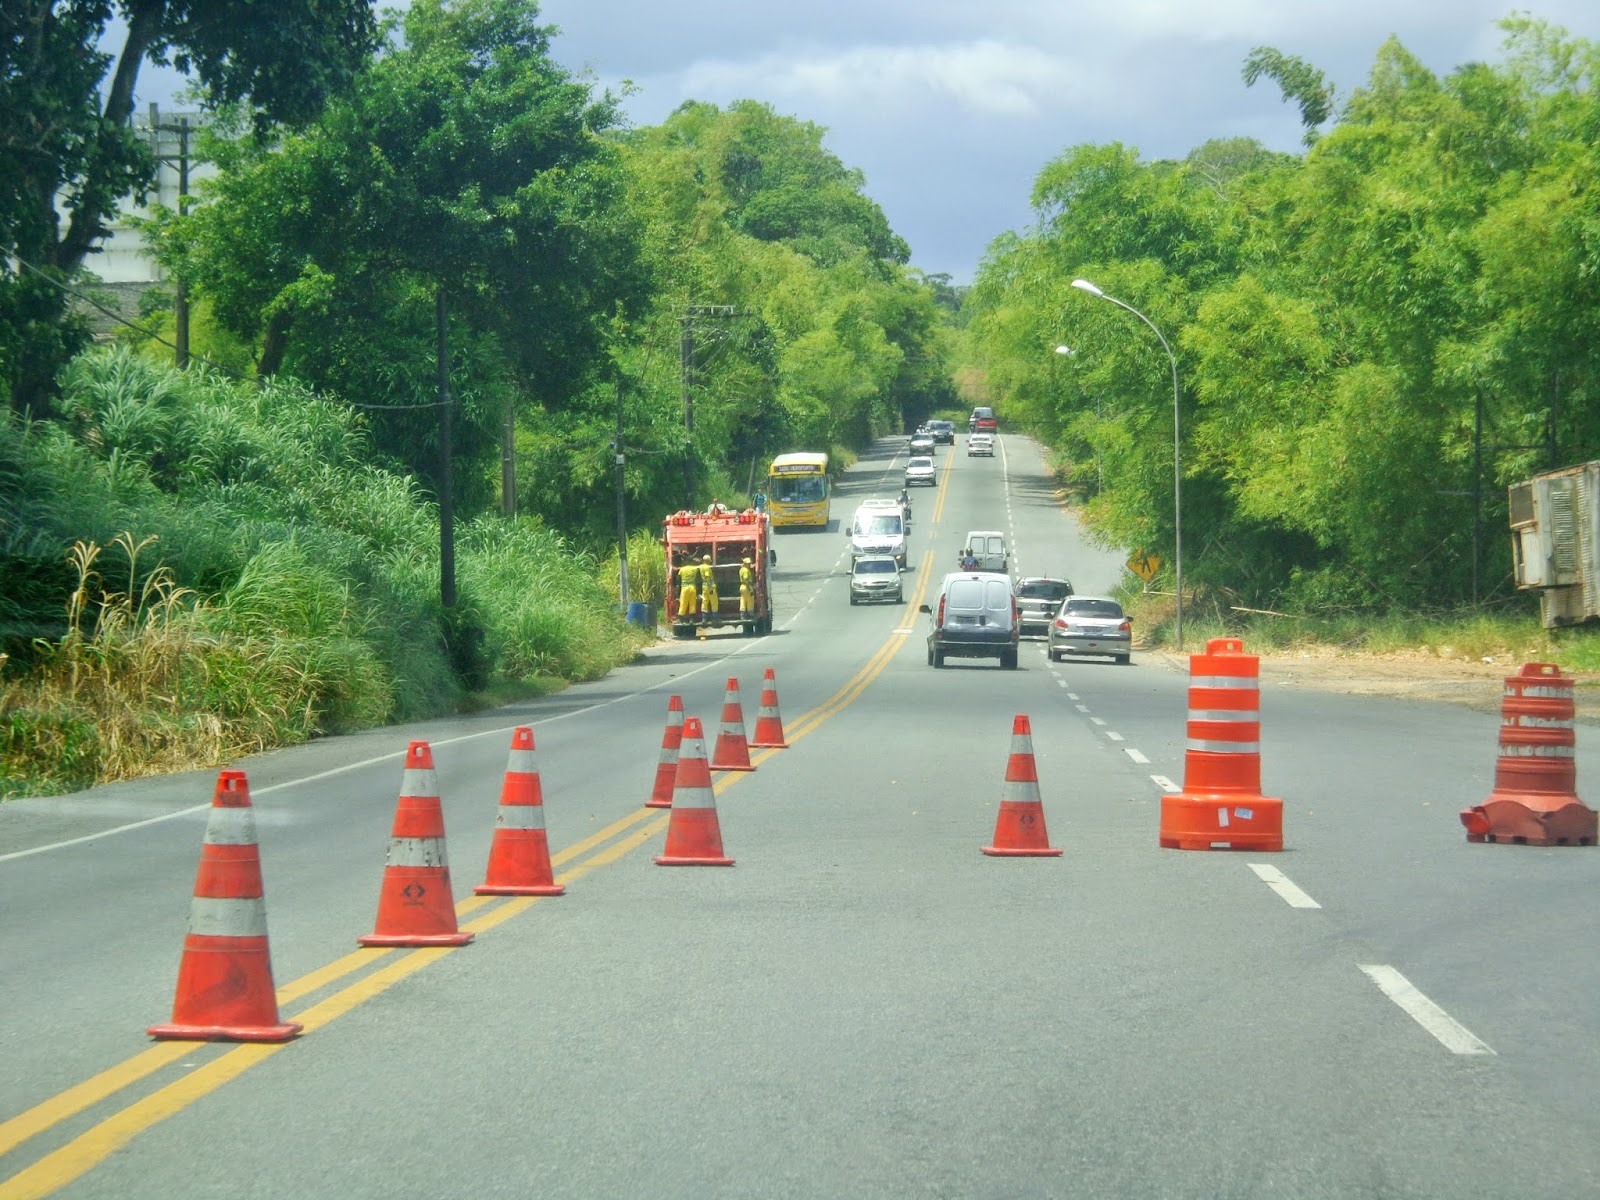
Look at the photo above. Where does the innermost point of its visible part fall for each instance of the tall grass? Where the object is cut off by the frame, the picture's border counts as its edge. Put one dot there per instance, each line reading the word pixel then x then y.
pixel 281 582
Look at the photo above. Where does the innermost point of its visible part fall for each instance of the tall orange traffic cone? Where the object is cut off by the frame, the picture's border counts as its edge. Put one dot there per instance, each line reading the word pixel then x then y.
pixel 1535 799
pixel 1221 804
pixel 225 991
pixel 1019 830
pixel 667 764
pixel 694 836
pixel 733 751
pixel 519 856
pixel 769 722
pixel 415 904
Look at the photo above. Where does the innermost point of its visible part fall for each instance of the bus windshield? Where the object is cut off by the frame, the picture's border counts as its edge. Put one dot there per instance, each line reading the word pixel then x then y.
pixel 798 489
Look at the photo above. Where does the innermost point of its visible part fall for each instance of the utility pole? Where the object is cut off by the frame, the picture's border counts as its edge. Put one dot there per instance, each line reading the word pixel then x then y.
pixel 180 302
pixel 721 312
pixel 686 370
pixel 619 450
pixel 447 533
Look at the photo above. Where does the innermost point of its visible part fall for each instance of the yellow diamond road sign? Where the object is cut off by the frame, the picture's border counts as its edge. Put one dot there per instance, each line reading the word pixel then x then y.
pixel 1144 565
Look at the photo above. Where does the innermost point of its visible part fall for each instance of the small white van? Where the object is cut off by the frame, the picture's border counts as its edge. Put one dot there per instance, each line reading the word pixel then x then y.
pixel 988 546
pixel 879 527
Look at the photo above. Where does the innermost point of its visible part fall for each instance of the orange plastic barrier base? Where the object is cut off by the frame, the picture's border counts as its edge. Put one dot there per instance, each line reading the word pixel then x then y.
pixel 1193 822
pixel 1530 824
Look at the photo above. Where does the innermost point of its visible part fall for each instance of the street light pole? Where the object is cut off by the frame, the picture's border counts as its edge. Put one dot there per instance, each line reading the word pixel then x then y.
pixel 1083 285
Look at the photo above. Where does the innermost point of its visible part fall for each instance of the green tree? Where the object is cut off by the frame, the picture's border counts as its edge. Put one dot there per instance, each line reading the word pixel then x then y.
pixel 465 159
pixel 68 155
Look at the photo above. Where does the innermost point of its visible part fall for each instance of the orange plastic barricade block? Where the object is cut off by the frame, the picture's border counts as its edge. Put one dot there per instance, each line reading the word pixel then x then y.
pixel 1535 799
pixel 1221 805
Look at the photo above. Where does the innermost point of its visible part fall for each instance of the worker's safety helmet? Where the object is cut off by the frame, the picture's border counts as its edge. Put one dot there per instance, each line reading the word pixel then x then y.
pixel 705 558
pixel 747 562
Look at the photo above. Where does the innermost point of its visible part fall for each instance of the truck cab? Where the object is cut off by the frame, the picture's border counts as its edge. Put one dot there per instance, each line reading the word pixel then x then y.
pixel 879 527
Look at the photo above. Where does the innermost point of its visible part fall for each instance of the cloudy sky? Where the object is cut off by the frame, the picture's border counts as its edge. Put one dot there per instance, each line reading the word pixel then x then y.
pixel 950 108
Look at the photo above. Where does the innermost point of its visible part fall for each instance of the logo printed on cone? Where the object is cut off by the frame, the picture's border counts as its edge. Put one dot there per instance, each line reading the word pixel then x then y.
pixel 694 836
pixel 1221 804
pixel 225 991
pixel 415 904
pixel 667 763
pixel 519 856
pixel 1019 829
pixel 733 750
pixel 769 722
pixel 1535 800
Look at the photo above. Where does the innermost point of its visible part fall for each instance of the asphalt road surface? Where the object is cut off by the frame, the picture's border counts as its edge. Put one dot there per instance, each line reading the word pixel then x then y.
pixel 865 1005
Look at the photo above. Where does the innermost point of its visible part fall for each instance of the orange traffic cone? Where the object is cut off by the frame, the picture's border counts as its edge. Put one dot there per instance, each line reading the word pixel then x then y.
pixel 1019 830
pixel 1535 799
pixel 225 990
pixel 769 723
pixel 1221 804
pixel 694 836
pixel 733 751
pixel 415 904
pixel 519 856
pixel 667 764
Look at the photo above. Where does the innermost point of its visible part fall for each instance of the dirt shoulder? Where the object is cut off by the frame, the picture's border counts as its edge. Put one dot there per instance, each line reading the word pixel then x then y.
pixel 1477 685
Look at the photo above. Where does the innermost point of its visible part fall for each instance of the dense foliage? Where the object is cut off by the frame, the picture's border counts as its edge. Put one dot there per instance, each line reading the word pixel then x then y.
pixel 242 574
pixel 197 564
pixel 1367 335
pixel 69 157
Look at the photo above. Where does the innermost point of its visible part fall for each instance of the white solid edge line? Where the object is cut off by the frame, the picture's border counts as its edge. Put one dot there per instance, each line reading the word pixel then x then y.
pixel 674 681
pixel 1135 755
pixel 1283 885
pixel 1453 1035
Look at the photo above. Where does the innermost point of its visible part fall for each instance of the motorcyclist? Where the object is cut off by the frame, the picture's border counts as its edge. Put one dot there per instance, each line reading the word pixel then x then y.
pixel 905 504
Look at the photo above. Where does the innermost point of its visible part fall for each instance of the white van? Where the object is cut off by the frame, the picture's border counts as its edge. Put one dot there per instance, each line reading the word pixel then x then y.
pixel 988 546
pixel 879 527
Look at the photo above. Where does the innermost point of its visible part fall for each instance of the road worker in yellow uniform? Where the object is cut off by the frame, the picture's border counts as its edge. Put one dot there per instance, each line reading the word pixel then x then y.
pixel 688 593
pixel 710 602
pixel 747 591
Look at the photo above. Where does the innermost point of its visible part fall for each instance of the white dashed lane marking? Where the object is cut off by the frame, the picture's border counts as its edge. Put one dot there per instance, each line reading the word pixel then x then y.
pixel 1280 883
pixel 1165 784
pixel 1135 755
pixel 1453 1035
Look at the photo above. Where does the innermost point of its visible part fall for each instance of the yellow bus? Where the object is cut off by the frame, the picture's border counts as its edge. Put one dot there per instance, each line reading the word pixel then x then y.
pixel 797 490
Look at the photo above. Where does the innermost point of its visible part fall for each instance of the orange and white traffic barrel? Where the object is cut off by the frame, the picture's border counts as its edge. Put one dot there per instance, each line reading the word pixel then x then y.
pixel 1221 805
pixel 1535 799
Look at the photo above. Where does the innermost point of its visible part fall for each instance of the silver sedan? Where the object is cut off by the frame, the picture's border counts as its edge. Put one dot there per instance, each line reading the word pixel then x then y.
pixel 1091 625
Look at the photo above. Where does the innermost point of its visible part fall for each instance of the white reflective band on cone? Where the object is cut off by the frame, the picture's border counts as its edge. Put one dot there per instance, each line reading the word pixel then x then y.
pixel 1543 693
pixel 231 827
pixel 1223 747
pixel 1242 682
pixel 1238 716
pixel 693 797
pixel 419 781
pixel 520 816
pixel 212 916
pixel 1536 752
pixel 416 852
pixel 668 755
pixel 1527 722
pixel 521 762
